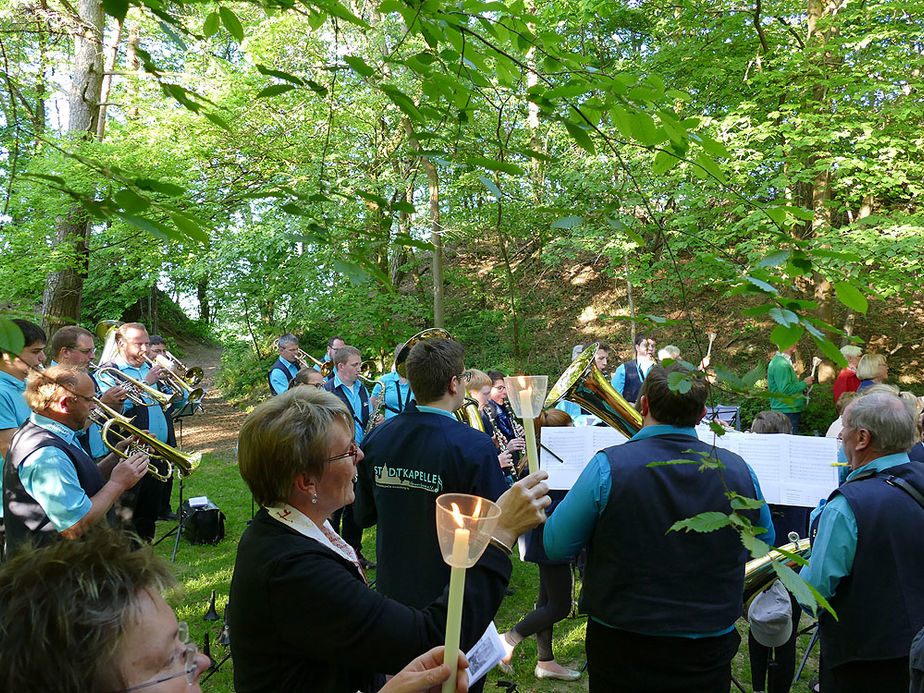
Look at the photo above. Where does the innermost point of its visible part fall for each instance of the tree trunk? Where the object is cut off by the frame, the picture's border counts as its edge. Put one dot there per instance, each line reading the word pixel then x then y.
pixel 64 289
pixel 205 315
pixel 110 52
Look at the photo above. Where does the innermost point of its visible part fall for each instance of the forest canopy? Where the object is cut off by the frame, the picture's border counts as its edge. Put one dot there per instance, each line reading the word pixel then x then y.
pixel 537 173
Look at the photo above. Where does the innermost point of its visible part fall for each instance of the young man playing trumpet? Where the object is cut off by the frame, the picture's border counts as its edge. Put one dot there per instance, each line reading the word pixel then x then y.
pixel 132 340
pixel 52 487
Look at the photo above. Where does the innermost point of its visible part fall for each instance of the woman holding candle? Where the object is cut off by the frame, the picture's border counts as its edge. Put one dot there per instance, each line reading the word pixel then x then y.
pixel 301 614
pixel 554 602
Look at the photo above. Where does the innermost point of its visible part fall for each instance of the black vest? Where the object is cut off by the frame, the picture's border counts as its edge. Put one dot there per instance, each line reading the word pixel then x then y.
pixel 880 605
pixel 633 382
pixel 363 416
pixel 25 519
pixel 278 367
pixel 643 578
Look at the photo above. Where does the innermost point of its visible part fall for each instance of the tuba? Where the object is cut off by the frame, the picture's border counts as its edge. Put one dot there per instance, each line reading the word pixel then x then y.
pixel 429 333
pixel 172 458
pixel 470 414
pixel 585 384
pixel 758 573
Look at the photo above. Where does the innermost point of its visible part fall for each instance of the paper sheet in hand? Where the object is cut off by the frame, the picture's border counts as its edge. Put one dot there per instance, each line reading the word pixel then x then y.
pixel 574 446
pixel 792 470
pixel 484 654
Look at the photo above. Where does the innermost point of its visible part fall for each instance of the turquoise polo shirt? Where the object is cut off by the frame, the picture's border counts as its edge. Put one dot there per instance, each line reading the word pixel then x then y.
pixel 49 476
pixel 13 411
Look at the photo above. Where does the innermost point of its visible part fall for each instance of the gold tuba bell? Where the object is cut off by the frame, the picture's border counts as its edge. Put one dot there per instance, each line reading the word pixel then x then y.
pixel 758 573
pixel 585 384
pixel 172 458
pixel 469 413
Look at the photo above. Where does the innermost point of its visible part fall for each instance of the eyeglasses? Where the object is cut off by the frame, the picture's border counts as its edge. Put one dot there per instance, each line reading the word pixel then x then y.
pixel 352 452
pixel 464 377
pixel 91 350
pixel 191 653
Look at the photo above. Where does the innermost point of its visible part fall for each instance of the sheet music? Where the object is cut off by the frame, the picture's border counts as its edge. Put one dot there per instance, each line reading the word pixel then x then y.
pixel 575 446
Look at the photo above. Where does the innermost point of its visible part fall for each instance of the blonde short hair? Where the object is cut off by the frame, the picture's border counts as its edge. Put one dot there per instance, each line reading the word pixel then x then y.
pixel 44 387
pixel 286 436
pixel 869 366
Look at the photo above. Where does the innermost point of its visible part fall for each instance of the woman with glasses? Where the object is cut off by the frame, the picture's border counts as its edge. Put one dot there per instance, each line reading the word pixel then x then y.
pixel 88 615
pixel 301 614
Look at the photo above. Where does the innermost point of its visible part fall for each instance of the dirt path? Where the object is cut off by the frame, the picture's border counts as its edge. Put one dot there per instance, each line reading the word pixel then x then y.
pixel 214 430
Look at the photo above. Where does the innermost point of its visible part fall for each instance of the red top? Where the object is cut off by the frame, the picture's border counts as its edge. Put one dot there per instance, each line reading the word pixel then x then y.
pixel 847 381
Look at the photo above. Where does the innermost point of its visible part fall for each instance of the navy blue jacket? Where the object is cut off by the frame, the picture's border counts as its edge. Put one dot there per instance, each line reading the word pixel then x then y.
pixel 410 459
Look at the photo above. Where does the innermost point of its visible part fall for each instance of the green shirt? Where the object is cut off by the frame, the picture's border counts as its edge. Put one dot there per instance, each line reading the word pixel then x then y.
pixel 783 381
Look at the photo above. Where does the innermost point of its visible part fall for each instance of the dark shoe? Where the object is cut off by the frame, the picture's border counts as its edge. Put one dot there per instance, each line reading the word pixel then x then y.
pixel 509 591
pixel 366 563
pixel 168 515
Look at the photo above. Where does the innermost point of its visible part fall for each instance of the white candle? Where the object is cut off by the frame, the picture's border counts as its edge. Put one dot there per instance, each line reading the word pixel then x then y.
pixel 454 612
pixel 526 405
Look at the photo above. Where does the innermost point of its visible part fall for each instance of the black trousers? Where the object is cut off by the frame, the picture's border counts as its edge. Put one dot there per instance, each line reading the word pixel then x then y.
pixel 622 662
pixel 879 676
pixel 553 605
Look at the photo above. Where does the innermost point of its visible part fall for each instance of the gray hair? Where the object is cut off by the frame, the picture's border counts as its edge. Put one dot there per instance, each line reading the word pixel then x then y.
pixel 851 351
pixel 669 352
pixel 285 340
pixel 886 418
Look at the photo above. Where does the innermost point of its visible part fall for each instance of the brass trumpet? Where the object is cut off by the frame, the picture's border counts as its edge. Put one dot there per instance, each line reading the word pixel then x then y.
pixel 192 376
pixel 304 360
pixel 585 384
pixel 174 380
pixel 136 389
pixel 172 458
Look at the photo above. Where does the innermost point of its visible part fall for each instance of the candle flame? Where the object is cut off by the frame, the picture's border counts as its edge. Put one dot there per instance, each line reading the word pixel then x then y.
pixel 457 515
pixel 521 379
pixel 477 511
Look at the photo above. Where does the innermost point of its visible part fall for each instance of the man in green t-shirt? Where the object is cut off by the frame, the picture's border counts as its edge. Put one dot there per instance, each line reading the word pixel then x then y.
pixel 785 387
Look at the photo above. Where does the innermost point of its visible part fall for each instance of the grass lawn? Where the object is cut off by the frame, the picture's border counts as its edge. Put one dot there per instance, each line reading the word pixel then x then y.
pixel 202 569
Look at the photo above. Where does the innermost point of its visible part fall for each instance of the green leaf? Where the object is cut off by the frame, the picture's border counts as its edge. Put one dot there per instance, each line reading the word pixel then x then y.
pixel 495 165
pixel 566 223
pixel 663 162
pixel 359 66
pixel 232 23
pixel 831 351
pixel 271 72
pixel 714 147
pixel 711 167
pixel 152 185
pixel 801 590
pixel 275 90
pixel 851 297
pixel 775 259
pixel 757 547
pixel 726 376
pixel 116 8
pixel 210 25
pixel 315 87
pixel 755 374
pixel 12 340
pixel 489 184
pixel 744 503
pixel 218 120
pixel 580 136
pixel 632 235
pixel 191 229
pixel 351 271
pixel 154 228
pixel 704 522
pixel 130 201
pixel 784 317
pixel 679 382
pixel 644 129
pixel 785 336
pixel 761 284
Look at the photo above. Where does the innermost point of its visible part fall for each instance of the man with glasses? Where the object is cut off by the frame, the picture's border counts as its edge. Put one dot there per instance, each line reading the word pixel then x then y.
pixel 51 486
pixel 412 458
pixel 629 376
pixel 868 552
pixel 73 346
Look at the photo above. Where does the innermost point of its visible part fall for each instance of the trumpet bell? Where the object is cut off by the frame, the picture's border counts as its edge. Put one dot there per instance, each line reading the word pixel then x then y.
pixel 194 375
pixel 585 384
pixel 429 333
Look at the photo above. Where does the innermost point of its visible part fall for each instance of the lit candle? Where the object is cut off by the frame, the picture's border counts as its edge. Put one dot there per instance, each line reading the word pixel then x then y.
pixel 456 591
pixel 526 403
pixel 526 410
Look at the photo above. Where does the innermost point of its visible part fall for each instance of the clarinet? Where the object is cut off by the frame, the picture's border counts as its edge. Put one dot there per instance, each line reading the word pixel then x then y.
pixel 500 440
